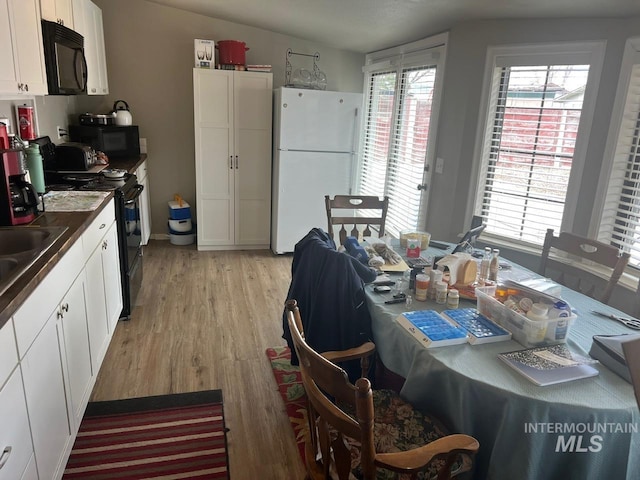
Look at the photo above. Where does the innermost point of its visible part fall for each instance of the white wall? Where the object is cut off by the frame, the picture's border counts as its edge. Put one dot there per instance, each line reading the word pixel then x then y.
pixel 150 59
pixel 466 55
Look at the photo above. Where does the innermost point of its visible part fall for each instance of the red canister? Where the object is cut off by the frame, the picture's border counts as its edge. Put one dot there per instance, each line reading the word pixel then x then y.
pixel 26 125
pixel 4 137
pixel 231 52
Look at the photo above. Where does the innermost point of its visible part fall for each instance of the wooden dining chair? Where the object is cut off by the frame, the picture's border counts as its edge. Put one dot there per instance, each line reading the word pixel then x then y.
pixel 570 250
pixel 352 215
pixel 355 430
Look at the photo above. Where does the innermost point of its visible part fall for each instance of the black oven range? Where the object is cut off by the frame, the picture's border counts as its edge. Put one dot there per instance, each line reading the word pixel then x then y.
pixel 127 192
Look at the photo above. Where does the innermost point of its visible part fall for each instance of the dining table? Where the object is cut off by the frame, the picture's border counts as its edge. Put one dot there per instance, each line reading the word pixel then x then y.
pixel 582 429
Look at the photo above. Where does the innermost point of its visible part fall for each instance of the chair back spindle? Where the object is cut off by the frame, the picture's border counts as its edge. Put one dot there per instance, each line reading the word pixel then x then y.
pixel 354 211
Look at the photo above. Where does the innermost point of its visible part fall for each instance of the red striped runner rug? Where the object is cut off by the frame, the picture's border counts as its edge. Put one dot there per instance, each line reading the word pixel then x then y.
pixel 166 437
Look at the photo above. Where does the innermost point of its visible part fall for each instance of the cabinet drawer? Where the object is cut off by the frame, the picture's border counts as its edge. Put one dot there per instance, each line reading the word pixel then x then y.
pixel 8 354
pixel 96 231
pixel 16 449
pixel 35 311
pixel 141 172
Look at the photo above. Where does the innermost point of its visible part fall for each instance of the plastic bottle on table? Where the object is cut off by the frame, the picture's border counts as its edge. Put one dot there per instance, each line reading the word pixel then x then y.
pixel 441 293
pixel 484 265
pixel 435 276
pixel 34 165
pixel 422 286
pixel 494 265
pixel 453 298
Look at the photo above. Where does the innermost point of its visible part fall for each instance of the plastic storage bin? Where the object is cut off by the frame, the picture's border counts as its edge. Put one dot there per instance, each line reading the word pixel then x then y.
pixel 179 211
pixel 527 332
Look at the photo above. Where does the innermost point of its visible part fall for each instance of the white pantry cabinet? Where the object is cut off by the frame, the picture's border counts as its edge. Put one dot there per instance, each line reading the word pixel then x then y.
pixel 232 116
pixel 87 18
pixel 145 203
pixel 21 56
pixel 59 11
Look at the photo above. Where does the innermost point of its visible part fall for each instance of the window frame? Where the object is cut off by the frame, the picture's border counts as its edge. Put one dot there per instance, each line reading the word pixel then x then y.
pixel 631 57
pixel 431 50
pixel 565 53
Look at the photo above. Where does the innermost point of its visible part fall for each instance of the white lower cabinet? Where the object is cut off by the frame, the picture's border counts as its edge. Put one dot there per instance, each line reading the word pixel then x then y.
pixel 16 449
pixel 62 332
pixel 75 350
pixel 44 387
pixel 104 295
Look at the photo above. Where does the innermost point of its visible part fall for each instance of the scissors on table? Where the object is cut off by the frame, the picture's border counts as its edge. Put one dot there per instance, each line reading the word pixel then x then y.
pixel 629 322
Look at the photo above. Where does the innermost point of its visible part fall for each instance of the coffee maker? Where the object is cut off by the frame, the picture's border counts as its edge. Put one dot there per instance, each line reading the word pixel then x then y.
pixel 18 198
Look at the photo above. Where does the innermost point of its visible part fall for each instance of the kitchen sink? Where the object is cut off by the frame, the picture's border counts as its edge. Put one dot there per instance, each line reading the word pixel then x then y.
pixel 20 247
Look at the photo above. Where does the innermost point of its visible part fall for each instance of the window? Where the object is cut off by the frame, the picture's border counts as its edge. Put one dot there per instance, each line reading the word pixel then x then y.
pixel 401 105
pixel 531 134
pixel 620 221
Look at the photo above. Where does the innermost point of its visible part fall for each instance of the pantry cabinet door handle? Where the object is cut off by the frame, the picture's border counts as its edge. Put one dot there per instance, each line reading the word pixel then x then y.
pixel 236 162
pixel 231 162
pixel 4 457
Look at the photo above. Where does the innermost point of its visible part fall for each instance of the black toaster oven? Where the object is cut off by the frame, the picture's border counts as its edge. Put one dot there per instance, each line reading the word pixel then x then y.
pixel 73 156
pixel 114 140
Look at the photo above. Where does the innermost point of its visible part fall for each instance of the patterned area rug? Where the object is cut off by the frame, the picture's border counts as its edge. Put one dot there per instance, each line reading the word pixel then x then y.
pixel 291 391
pixel 160 437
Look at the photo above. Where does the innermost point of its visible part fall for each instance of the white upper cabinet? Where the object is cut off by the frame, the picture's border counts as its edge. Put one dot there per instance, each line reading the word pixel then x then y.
pixel 23 70
pixel 87 18
pixel 59 11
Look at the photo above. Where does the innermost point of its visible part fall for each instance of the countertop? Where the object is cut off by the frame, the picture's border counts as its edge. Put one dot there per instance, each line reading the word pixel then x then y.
pixel 130 164
pixel 77 223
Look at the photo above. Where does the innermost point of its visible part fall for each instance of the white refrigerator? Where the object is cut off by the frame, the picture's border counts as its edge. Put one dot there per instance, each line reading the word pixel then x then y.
pixel 315 141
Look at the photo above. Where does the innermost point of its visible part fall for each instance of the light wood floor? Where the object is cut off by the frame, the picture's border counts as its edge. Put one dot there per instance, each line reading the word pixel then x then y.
pixel 203 321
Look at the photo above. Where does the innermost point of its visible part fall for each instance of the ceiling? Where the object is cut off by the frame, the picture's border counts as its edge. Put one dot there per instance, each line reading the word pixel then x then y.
pixel 370 25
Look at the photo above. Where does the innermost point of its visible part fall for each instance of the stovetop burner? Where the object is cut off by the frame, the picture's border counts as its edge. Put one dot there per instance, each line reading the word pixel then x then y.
pixel 88 181
pixel 60 187
pixel 98 186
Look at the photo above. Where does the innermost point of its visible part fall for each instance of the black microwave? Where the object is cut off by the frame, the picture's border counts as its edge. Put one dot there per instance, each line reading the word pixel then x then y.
pixel 64 59
pixel 114 140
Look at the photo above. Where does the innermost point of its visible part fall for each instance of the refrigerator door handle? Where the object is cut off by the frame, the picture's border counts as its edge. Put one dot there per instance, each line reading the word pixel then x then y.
pixel 231 162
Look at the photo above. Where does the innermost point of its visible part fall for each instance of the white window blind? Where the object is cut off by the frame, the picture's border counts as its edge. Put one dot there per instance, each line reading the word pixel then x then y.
pixel 528 149
pixel 620 224
pixel 377 133
pixel 395 141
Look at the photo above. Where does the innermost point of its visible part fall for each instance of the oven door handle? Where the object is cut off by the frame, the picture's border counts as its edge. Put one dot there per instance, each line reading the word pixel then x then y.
pixel 137 192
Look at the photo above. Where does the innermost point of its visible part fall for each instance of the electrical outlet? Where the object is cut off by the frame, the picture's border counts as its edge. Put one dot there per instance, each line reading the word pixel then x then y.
pixel 61 132
pixel 439 165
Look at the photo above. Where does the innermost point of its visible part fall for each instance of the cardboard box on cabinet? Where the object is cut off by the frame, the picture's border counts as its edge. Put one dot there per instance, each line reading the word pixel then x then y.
pixel 204 53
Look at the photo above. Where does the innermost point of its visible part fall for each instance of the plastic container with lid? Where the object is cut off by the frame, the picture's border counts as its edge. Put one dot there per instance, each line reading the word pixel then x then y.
pixel 453 298
pixel 422 287
pixel 441 293
pixel 538 311
pixel 422 237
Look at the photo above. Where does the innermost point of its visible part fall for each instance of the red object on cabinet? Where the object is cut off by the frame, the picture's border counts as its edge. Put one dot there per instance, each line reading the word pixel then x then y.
pixel 231 52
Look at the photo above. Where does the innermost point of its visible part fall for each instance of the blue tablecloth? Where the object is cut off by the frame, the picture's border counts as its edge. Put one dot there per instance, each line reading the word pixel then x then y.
pixel 525 431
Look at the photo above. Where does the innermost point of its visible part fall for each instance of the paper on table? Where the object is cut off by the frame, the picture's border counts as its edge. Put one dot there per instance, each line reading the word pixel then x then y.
pixel 398 267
